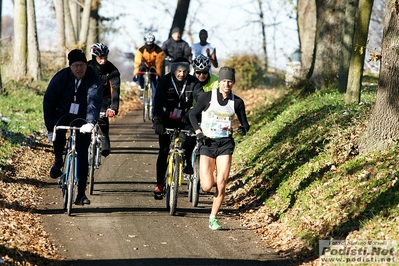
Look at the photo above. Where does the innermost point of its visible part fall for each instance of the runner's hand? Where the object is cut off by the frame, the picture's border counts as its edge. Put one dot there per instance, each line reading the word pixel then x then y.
pixel 200 137
pixel 242 131
pixel 87 128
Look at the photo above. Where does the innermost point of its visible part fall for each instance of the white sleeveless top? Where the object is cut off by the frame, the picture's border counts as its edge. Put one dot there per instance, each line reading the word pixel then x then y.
pixel 216 121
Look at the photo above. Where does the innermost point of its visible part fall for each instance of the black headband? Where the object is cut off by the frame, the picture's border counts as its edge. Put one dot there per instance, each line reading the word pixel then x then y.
pixel 227 74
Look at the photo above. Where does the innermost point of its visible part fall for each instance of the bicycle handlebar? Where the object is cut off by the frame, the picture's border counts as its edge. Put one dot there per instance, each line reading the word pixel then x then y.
pixel 189 133
pixel 147 72
pixel 63 127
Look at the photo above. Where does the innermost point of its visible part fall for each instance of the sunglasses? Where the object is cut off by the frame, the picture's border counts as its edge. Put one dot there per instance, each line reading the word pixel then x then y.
pixel 201 72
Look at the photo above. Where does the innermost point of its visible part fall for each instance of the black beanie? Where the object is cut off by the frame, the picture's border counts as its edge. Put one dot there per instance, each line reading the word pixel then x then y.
pixel 76 55
pixel 180 63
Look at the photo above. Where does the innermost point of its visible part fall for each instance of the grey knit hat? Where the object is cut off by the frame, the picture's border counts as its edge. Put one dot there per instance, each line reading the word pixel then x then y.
pixel 180 63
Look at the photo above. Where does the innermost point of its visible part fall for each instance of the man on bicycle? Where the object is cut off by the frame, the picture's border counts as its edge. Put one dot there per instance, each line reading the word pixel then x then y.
pixel 175 47
pixel 174 97
pixel 201 66
pixel 149 57
pixel 217 109
pixel 111 80
pixel 73 97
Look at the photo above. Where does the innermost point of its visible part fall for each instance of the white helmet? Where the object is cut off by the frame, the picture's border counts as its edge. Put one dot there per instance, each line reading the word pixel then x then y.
pixel 99 49
pixel 201 62
pixel 149 37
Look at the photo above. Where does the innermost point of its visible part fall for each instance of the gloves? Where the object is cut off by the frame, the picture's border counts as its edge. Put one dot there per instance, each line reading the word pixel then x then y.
pixel 158 127
pixel 200 137
pixel 110 113
pixel 87 128
pixel 135 78
pixel 50 136
pixel 242 131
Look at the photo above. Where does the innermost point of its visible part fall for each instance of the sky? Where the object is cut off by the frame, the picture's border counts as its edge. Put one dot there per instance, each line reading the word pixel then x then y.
pixel 231 24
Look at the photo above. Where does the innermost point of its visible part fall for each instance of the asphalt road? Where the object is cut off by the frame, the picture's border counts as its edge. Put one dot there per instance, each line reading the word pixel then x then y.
pixel 125 225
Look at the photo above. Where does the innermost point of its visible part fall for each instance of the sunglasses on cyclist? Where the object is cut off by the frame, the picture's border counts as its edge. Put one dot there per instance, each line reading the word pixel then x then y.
pixel 201 72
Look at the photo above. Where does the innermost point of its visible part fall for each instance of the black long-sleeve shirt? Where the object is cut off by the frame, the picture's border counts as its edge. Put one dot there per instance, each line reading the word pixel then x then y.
pixel 203 104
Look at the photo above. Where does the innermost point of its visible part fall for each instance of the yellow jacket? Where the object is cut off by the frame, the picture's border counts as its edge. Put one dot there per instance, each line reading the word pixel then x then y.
pixel 153 58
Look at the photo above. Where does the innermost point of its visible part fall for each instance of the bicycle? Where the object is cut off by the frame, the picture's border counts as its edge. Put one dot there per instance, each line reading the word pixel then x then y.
pixel 68 180
pixel 167 63
pixel 174 172
pixel 147 94
pixel 194 179
pixel 94 153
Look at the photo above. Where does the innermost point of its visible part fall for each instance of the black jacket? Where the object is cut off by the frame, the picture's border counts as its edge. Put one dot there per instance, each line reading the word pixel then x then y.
pixel 110 79
pixel 166 98
pixel 60 95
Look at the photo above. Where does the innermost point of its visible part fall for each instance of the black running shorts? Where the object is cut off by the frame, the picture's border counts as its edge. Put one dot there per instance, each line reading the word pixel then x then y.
pixel 215 147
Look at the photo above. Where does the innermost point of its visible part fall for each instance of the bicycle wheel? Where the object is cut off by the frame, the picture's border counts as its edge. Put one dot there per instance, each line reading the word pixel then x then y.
pixel 64 180
pixel 175 184
pixel 70 183
pixel 150 109
pixel 92 164
pixel 195 181
pixel 145 103
pixel 190 188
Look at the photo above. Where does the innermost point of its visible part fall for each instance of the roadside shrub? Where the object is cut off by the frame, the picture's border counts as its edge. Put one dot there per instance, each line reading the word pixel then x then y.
pixel 249 71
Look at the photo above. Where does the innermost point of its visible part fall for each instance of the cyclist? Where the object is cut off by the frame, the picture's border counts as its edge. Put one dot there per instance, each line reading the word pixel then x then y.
pixel 201 66
pixel 174 97
pixel 175 47
pixel 73 96
pixel 217 109
pixel 111 80
pixel 205 48
pixel 148 57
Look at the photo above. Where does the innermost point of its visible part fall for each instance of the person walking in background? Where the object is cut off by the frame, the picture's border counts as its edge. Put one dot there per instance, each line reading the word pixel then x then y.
pixel 201 66
pixel 175 95
pixel 174 47
pixel 73 97
pixel 205 48
pixel 111 80
pixel 149 57
pixel 217 109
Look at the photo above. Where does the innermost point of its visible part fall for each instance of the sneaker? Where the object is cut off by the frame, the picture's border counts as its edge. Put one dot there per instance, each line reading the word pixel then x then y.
pixel 82 200
pixel 55 171
pixel 188 169
pixel 158 189
pixel 214 225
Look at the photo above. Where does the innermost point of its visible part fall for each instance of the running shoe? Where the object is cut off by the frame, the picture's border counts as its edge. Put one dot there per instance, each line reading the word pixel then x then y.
pixel 214 225
pixel 158 189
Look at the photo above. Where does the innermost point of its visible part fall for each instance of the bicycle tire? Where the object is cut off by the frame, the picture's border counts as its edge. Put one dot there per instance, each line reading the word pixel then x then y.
pixel 175 183
pixel 145 103
pixel 150 109
pixel 70 183
pixel 190 188
pixel 195 182
pixel 167 186
pixel 92 164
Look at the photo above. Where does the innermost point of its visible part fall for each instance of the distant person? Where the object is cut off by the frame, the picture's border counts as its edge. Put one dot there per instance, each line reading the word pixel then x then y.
pixel 149 57
pixel 217 109
pixel 205 48
pixel 175 47
pixel 73 97
pixel 111 80
pixel 201 66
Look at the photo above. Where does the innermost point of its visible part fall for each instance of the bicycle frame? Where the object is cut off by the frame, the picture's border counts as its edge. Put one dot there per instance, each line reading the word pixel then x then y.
pixel 147 94
pixel 69 179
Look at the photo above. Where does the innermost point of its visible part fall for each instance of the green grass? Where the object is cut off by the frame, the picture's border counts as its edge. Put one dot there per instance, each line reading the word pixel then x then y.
pixel 300 161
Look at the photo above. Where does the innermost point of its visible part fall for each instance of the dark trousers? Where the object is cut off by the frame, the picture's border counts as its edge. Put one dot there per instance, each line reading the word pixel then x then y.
pixel 140 79
pixel 103 122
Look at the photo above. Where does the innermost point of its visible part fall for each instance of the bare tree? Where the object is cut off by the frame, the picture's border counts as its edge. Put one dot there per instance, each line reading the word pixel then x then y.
pixel 60 22
pixel 383 128
pixel 357 58
pixel 20 41
pixel 33 60
pixel 179 19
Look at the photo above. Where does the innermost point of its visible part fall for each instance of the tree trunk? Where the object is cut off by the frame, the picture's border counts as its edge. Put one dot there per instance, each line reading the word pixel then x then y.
pixel 93 35
pixel 70 32
pixel 347 32
pixel 383 128
pixel 179 20
pixel 357 59
pixel 263 26
pixel 307 34
pixel 60 22
pixel 20 40
pixel 33 62
pixel 327 43
pixel 85 22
